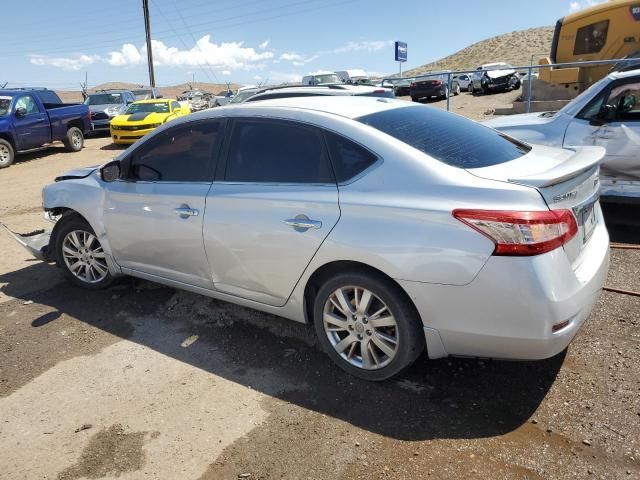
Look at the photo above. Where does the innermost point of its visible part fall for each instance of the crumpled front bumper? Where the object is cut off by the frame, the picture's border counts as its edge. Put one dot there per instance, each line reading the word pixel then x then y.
pixel 36 243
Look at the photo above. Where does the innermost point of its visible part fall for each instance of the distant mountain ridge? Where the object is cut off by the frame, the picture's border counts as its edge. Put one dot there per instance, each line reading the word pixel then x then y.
pixel 515 48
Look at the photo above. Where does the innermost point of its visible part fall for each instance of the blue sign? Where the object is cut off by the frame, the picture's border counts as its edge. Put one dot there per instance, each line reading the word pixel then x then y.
pixel 401 52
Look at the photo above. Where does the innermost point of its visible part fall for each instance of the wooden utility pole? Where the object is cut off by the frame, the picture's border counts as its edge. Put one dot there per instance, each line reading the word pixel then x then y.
pixel 147 31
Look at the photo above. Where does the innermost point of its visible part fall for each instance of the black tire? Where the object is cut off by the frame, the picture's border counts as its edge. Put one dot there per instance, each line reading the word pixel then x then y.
pixel 74 140
pixel 415 99
pixel 7 154
pixel 408 330
pixel 71 223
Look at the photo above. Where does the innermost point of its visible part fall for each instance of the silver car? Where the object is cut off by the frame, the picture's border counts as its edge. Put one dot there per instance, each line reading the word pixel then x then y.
pixel 388 226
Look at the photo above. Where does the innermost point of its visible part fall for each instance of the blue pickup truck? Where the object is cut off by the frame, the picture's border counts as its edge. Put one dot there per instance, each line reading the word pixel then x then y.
pixel 32 118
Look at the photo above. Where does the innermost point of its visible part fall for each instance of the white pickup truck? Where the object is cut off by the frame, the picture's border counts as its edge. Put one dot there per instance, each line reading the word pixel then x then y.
pixel 608 115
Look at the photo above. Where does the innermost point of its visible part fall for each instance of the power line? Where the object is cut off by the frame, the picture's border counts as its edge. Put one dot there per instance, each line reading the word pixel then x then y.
pixel 217 26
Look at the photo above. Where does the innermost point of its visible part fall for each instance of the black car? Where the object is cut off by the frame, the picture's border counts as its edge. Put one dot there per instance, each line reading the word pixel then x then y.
pixel 401 86
pixel 432 85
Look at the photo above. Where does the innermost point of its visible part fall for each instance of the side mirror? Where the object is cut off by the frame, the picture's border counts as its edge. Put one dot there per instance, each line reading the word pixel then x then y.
pixel 606 114
pixel 111 171
pixel 21 112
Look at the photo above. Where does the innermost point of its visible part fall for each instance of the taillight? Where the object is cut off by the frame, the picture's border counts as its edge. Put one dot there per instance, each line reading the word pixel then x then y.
pixel 521 233
pixel 437 82
pixel 413 85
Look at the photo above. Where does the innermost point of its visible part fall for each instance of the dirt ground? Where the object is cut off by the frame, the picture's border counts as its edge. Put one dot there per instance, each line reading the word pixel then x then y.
pixel 142 381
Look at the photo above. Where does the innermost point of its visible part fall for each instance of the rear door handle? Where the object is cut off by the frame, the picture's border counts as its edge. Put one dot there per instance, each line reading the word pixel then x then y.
pixel 302 223
pixel 186 212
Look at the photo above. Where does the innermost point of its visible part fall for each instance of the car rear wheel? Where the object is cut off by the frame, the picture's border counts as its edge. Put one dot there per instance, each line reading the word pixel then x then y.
pixel 367 325
pixel 456 91
pixel 81 255
pixel 6 154
pixel 74 141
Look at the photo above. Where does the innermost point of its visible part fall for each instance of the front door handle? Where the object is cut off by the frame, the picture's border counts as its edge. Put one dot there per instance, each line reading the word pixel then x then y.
pixel 186 211
pixel 302 223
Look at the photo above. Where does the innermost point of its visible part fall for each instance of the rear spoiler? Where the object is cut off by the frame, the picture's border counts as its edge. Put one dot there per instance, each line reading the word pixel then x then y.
pixel 584 159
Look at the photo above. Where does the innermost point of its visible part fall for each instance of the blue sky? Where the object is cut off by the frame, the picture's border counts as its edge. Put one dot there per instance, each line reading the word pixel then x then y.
pixel 52 43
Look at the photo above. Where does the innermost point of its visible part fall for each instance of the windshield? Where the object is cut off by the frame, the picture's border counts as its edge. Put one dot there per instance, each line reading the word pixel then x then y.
pixel 5 105
pixel 142 93
pixel 449 138
pixel 103 99
pixel 242 96
pixel 586 95
pixel 159 107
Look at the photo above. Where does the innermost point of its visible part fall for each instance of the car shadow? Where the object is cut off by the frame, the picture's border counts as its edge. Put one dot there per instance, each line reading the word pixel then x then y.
pixel 39 154
pixel 434 399
pixel 113 146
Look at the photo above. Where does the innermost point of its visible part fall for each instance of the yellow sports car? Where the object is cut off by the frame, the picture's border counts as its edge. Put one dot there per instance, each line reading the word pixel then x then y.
pixel 142 117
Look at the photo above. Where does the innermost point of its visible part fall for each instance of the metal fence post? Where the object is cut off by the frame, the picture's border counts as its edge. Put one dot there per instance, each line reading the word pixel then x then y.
pixel 529 90
pixel 448 89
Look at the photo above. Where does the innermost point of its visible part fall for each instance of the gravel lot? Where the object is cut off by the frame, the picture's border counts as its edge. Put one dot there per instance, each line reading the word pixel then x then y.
pixel 142 381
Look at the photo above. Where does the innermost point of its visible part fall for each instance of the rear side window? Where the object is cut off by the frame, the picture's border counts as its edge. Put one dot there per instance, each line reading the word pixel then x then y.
pixel 348 158
pixel 184 153
pixel 274 151
pixel 449 138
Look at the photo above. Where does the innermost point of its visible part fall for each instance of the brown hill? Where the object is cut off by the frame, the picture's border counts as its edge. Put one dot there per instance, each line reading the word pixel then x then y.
pixel 515 48
pixel 167 92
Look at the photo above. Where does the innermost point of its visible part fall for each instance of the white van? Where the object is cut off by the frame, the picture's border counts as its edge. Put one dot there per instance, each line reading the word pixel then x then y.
pixel 320 78
pixel 356 75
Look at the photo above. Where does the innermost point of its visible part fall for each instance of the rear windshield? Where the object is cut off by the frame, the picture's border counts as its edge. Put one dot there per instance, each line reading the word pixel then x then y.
pixel 449 138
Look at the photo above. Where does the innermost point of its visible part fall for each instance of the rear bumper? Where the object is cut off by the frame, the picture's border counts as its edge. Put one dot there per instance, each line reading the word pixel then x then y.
pixel 427 92
pixel 509 309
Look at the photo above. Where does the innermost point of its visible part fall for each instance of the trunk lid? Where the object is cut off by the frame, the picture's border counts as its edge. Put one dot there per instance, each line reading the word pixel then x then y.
pixel 565 178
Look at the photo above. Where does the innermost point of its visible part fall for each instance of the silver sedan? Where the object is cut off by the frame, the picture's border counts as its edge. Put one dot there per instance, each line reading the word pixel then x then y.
pixel 388 226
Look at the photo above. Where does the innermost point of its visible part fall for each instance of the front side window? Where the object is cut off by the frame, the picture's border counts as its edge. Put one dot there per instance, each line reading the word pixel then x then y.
pixel 270 151
pixel 591 38
pixel 449 138
pixel 180 154
pixel 28 104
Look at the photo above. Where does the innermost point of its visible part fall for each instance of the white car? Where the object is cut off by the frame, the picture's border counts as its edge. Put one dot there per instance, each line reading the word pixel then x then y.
pixel 391 227
pixel 608 115
pixel 464 80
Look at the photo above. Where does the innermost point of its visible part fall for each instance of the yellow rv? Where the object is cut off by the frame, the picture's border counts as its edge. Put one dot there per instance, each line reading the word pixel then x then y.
pixel 605 31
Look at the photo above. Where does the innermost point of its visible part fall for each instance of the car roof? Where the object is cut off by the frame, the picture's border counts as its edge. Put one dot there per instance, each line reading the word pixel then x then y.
pixel 344 106
pixel 628 73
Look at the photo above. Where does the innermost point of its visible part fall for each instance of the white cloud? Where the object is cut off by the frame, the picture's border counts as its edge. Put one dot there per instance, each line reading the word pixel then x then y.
pixel 68 63
pixel 284 77
pixel 128 55
pixel 297 59
pixel 230 56
pixel 579 5
pixel 264 44
pixel 226 72
pixel 364 46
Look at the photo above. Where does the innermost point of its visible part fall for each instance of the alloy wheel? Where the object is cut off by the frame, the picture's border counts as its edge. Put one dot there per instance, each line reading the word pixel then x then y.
pixel 5 154
pixel 84 256
pixel 76 140
pixel 360 327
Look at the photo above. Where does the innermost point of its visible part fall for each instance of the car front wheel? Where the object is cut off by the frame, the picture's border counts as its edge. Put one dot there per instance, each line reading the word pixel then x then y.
pixel 81 255
pixel 367 325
